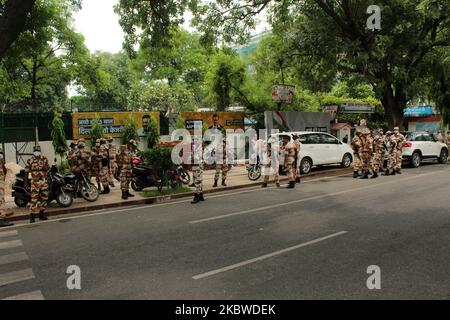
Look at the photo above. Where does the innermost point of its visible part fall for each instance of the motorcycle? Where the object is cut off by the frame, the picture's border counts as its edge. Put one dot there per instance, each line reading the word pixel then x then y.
pixel 184 174
pixel 254 171
pixel 145 176
pixel 78 184
pixel 57 189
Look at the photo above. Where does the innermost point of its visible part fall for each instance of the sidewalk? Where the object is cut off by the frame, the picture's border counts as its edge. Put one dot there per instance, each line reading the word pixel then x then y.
pixel 237 178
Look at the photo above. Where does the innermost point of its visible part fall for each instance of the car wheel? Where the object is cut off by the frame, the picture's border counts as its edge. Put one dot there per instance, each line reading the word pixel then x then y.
pixel 306 165
pixel 415 160
pixel 443 157
pixel 346 160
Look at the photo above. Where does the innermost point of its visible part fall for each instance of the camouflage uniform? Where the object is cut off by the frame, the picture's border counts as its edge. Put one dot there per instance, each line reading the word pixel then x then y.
pixel 95 163
pixel 72 156
pixel 298 146
pixel 356 146
pixel 197 171
pixel 290 152
pixel 112 153
pixel 366 155
pixel 82 157
pixel 398 151
pixel 391 145
pixel 38 167
pixel 125 164
pixel 2 181
pixel 378 156
pixel 103 165
pixel 224 166
pixel 271 163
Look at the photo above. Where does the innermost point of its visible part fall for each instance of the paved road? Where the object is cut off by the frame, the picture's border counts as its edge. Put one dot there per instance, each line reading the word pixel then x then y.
pixel 313 242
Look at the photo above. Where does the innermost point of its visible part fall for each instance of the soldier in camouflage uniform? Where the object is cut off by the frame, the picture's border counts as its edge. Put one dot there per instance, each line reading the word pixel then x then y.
pixel 104 165
pixel 391 146
pixel 82 156
pixel 366 153
pixel 197 170
pixel 3 213
pixel 223 167
pixel 38 167
pixel 271 162
pixel 112 153
pixel 72 155
pixel 378 155
pixel 125 164
pixel 290 153
pixel 356 147
pixel 398 151
pixel 95 163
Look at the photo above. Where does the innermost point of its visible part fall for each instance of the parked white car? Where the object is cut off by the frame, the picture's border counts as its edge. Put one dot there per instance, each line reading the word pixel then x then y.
pixel 319 148
pixel 421 146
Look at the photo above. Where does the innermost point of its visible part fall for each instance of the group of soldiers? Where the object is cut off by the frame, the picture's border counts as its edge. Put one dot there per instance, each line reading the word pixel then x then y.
pixel 369 149
pixel 102 161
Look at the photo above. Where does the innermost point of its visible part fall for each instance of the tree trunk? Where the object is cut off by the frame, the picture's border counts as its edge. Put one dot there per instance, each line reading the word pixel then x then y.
pixel 393 106
pixel 12 22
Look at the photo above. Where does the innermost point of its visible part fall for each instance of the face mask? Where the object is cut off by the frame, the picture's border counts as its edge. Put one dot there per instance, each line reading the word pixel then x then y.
pixel 36 153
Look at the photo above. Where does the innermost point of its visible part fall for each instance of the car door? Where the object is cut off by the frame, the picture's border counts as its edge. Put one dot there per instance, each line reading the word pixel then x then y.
pixel 329 148
pixel 434 146
pixel 310 147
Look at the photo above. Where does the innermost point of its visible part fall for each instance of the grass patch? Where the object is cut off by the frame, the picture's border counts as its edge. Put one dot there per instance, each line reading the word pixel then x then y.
pixel 165 191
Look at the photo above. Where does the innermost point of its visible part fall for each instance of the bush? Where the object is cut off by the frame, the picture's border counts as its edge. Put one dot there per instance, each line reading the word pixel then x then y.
pixel 152 133
pixel 96 132
pixel 130 130
pixel 58 136
pixel 159 158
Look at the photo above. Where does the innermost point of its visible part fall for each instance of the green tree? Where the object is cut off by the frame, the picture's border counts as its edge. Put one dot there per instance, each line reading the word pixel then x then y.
pixel 152 136
pixel 97 131
pixel 130 130
pixel 59 141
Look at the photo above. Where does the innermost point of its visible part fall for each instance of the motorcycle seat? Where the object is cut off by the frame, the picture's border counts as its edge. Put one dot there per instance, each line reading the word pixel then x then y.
pixel 69 176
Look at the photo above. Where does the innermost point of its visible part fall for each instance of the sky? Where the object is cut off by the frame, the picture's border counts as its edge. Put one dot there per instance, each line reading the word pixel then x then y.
pixel 100 25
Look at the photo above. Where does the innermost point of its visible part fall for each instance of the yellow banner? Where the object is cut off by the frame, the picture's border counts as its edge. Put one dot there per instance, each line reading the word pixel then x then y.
pixel 112 122
pixel 228 120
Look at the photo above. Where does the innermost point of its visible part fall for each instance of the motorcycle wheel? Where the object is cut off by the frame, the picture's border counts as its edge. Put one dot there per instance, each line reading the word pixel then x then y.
pixel 64 199
pixel 175 184
pixel 185 177
pixel 90 193
pixel 136 187
pixel 20 200
pixel 254 173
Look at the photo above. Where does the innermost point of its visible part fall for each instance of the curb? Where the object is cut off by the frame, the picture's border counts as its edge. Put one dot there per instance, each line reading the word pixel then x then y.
pixel 157 199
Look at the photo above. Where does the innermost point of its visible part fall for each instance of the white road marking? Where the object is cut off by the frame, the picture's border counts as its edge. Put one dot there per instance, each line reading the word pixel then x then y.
pixel 16 276
pixel 11 233
pixel 11 244
pixel 35 295
pixel 14 257
pixel 266 256
pixel 305 199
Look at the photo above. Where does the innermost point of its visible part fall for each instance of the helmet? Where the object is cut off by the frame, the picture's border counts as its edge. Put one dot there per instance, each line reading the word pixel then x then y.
pixel 388 132
pixel 396 129
pixel 133 142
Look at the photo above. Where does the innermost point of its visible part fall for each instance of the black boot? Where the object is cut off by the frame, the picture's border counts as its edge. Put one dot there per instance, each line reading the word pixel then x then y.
pixel 196 198
pixel 105 190
pixel 297 180
pixel 201 198
pixel 215 184
pixel 387 173
pixel 278 184
pixel 291 185
pixel 399 171
pixel 366 175
pixel 374 176
pixel 42 215
pixel 124 195
pixel 393 173
pixel 264 185
pixel 129 194
pixel 223 183
pixel 32 218
pixel 99 187
pixel 355 174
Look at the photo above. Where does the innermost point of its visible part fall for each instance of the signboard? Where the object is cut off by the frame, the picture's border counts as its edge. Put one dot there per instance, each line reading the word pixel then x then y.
pixel 282 93
pixel 228 120
pixel 286 121
pixel 419 111
pixel 112 122
pixel 356 107
pixel 332 110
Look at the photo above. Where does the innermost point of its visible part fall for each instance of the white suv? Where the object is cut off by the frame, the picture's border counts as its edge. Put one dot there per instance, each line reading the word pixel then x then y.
pixel 422 146
pixel 320 148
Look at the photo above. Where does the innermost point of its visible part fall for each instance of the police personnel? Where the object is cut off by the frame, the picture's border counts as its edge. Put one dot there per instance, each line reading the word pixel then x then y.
pixel 125 164
pixel 112 153
pixel 222 163
pixel 378 153
pixel 95 163
pixel 82 156
pixel 366 152
pixel 290 153
pixel 38 167
pixel 391 145
pixel 72 155
pixel 356 147
pixel 104 165
pixel 298 146
pixel 398 150
pixel 271 162
pixel 197 170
